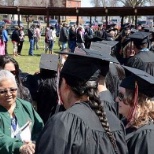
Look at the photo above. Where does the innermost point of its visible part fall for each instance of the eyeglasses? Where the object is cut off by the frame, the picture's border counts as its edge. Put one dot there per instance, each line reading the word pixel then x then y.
pixel 121 96
pixel 5 91
pixel 13 72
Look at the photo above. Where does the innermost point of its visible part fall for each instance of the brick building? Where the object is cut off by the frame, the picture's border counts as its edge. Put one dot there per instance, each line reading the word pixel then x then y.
pixel 67 4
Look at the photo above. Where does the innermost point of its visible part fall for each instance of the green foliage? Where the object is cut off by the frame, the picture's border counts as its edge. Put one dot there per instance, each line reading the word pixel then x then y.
pixel 29 64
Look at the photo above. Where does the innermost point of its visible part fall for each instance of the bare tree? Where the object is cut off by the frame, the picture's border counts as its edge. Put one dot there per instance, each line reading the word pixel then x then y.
pixel 2 2
pixel 134 3
pixel 151 3
pixel 104 3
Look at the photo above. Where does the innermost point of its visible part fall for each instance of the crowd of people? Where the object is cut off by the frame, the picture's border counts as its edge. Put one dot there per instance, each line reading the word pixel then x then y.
pixel 94 96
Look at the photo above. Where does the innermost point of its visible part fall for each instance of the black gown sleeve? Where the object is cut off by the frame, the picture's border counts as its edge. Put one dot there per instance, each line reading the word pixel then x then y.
pixel 135 62
pixel 141 142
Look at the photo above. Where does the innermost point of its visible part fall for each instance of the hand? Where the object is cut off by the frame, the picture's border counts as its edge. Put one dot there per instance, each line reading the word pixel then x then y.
pixel 27 148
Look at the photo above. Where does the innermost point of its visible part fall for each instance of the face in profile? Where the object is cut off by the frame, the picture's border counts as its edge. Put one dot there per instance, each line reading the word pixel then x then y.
pixel 8 93
pixel 124 107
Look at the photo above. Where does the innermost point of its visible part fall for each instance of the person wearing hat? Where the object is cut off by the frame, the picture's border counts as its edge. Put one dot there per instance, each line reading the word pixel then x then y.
pixel 136 104
pixel 84 127
pixel 108 72
pixel 123 39
pixel 144 58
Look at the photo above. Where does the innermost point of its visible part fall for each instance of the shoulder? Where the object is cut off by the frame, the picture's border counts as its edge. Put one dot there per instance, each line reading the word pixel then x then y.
pixel 142 136
pixel 142 132
pixel 21 102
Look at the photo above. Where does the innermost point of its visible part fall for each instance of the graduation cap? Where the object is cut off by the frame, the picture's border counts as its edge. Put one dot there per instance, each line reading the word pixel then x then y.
pixel 148 29
pixel 104 47
pixel 49 62
pixel 112 44
pixel 100 47
pixel 144 80
pixel 139 37
pixel 85 62
pixel 126 26
pixel 96 38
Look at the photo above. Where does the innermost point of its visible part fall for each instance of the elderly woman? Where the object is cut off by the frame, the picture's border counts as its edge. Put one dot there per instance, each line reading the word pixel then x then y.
pixel 137 106
pixel 20 125
pixel 10 64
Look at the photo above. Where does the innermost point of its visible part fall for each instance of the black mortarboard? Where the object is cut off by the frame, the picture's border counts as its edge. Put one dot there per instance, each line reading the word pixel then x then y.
pixel 96 38
pixel 112 44
pixel 100 46
pixel 144 80
pixel 133 30
pixel 49 62
pixel 140 38
pixel 104 48
pixel 84 62
pixel 126 26
pixel 148 29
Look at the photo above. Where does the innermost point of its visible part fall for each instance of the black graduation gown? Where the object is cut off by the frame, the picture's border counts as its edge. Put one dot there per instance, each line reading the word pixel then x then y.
pixel 108 102
pixel 79 131
pixel 144 60
pixel 141 141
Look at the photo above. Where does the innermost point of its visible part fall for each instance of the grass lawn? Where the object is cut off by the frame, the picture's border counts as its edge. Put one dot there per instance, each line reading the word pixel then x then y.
pixel 29 64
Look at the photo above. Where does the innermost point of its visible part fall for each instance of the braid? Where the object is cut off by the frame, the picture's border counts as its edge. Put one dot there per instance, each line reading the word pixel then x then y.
pixel 90 89
pixel 96 105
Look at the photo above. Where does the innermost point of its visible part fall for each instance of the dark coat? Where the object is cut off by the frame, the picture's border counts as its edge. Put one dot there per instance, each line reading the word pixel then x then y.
pixel 144 60
pixel 140 141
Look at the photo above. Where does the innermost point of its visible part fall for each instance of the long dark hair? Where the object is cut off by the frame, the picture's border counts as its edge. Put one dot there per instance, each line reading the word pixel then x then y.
pixel 89 88
pixel 23 92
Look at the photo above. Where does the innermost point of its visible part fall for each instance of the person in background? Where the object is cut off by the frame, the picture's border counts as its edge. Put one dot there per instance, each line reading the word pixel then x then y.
pixel 5 38
pixel 57 28
pixel 20 123
pixel 143 58
pixel 136 104
pixel 21 39
pixel 15 40
pixel 37 36
pixel 31 39
pixel 2 44
pixel 80 37
pixel 72 38
pixel 51 34
pixel 83 128
pixel 128 52
pixel 88 35
pixel 46 40
pixel 43 86
pixel 10 64
pixel 63 38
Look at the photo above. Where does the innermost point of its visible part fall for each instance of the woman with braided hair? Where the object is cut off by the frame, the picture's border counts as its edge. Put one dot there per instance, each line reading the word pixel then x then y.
pixel 84 128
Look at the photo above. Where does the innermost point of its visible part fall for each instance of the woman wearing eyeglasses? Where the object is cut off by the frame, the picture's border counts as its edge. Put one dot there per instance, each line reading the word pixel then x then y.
pixel 136 104
pixel 10 64
pixel 20 125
